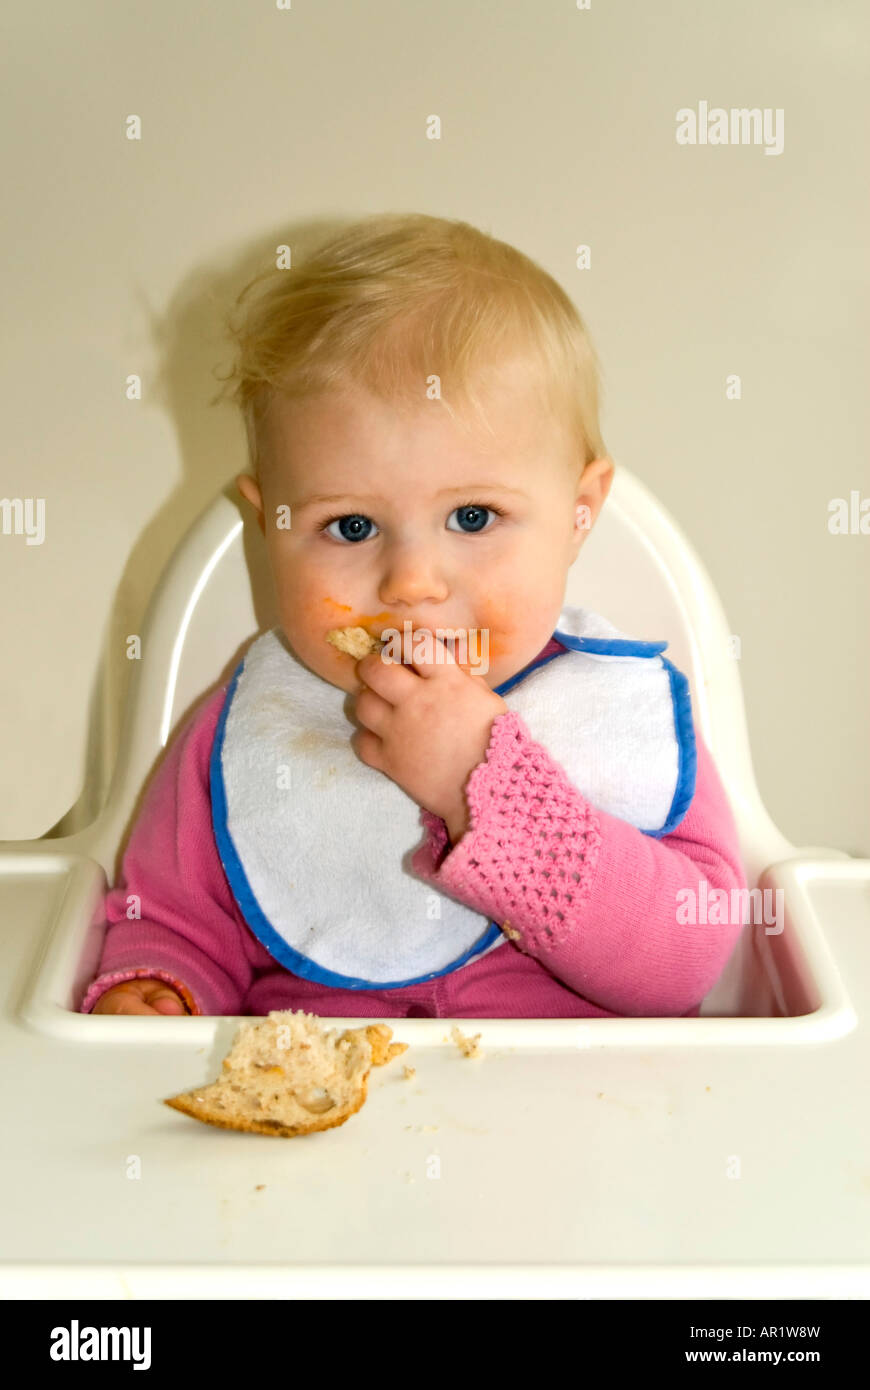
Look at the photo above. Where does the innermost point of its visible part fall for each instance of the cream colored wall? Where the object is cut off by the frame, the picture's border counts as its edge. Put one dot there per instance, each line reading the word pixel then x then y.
pixel 260 124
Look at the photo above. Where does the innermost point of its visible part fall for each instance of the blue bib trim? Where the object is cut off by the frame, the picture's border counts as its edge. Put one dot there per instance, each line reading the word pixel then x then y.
pixel 609 646
pixel 685 788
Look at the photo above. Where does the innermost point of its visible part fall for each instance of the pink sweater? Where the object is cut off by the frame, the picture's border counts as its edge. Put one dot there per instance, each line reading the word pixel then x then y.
pixel 587 901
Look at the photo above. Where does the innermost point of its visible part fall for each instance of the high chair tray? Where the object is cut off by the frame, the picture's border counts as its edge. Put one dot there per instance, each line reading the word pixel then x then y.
pixel 598 1158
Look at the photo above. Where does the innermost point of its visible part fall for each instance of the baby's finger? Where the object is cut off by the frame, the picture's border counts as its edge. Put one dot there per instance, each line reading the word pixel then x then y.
pixel 160 996
pixel 121 1001
pixel 167 1003
pixel 390 679
pixel 373 711
pixel 430 655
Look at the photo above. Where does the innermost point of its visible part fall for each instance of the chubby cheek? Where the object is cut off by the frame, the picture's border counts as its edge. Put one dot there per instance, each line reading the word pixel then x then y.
pixel 306 615
pixel 519 625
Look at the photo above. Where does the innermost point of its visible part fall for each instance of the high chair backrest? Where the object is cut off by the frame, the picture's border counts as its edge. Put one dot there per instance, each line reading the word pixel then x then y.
pixel 635 568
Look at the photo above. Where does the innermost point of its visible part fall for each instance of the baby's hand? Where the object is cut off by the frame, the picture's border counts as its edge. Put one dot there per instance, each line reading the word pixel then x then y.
pixel 140 997
pixel 426 726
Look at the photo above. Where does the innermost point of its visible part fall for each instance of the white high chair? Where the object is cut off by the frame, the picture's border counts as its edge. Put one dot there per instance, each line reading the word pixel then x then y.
pixel 710 1157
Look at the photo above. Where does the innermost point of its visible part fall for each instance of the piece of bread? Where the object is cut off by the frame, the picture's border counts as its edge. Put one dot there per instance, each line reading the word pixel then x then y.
pixel 288 1075
pixel 353 640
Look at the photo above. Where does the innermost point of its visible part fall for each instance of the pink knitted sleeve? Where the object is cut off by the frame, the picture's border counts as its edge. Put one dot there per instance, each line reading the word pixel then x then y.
pixel 591 897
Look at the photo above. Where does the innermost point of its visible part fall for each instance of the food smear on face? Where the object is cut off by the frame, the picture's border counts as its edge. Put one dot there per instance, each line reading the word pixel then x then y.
pixel 358 641
pixel 496 615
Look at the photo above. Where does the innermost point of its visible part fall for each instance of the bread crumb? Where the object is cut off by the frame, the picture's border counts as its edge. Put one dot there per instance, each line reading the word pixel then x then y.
pixel 353 640
pixel 409 1072
pixel 469 1047
pixel 510 932
pixel 259 1187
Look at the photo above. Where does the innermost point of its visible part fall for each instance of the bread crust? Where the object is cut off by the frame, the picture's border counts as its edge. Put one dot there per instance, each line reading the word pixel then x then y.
pixel 199 1103
pixel 188 1105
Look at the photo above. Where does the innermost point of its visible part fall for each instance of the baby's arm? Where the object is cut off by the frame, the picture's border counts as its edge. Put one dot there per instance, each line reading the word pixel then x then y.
pixel 188 932
pixel 588 895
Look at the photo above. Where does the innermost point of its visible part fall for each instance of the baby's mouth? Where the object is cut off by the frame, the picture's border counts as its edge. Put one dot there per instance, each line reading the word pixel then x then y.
pixel 358 640
pixel 449 642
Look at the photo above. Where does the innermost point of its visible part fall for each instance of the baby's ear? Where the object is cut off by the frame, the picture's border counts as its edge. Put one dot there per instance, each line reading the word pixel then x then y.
pixel 249 488
pixel 592 491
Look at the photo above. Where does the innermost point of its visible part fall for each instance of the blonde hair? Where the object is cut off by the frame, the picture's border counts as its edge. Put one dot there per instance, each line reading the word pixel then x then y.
pixel 395 299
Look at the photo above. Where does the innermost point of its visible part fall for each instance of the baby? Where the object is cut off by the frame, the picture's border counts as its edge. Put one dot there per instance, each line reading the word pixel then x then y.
pixel 494 811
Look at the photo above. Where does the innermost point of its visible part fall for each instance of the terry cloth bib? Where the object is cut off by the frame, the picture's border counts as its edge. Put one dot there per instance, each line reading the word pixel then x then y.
pixel 316 845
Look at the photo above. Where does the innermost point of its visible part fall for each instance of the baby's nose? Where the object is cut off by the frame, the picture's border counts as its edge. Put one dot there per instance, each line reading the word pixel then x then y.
pixel 413 580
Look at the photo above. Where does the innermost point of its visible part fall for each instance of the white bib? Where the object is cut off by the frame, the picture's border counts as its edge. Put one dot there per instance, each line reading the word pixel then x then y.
pixel 316 845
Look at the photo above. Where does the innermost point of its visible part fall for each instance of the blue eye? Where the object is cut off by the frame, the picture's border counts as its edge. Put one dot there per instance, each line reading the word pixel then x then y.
pixel 473 517
pixel 352 528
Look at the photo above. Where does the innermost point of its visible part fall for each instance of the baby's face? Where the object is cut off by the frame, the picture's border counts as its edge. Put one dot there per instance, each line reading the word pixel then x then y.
pixel 422 523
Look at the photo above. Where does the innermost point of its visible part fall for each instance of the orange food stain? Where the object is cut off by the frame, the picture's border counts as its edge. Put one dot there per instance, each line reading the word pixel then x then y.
pixel 384 617
pixel 495 615
pixel 367 620
pixel 495 620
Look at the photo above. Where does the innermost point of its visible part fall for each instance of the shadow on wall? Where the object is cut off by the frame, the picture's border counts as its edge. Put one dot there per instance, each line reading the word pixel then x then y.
pixel 190 343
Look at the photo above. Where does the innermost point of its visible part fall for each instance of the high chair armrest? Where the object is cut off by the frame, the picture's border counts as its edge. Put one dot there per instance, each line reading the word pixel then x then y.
pixel 51 900
pixel 825 951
